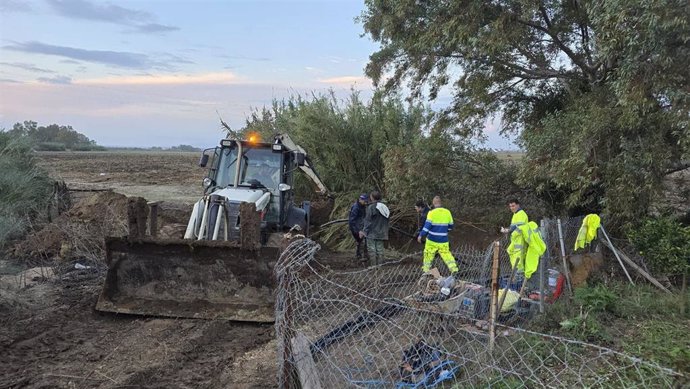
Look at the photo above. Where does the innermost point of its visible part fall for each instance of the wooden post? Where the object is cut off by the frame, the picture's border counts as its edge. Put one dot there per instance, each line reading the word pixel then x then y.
pixel 494 297
pixel 284 275
pixel 615 252
pixel 304 361
pixel 565 264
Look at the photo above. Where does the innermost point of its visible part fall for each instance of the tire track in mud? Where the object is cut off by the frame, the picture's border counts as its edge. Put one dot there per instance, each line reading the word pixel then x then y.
pixel 62 342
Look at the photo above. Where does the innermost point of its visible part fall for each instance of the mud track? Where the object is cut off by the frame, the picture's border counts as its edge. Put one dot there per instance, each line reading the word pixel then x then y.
pixel 51 337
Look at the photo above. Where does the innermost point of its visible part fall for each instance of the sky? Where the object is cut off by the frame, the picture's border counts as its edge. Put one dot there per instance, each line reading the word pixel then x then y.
pixel 160 73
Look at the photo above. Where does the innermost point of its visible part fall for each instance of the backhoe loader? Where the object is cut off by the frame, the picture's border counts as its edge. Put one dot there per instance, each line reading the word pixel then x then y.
pixel 223 267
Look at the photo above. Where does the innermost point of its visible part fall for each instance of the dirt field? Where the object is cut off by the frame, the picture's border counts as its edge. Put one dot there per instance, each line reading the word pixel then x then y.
pixel 156 176
pixel 51 336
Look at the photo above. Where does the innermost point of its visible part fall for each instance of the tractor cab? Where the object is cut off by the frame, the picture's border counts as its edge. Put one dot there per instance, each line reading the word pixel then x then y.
pixel 252 171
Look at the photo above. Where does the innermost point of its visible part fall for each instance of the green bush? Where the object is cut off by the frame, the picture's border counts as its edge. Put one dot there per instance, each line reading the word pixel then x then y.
pixel 597 299
pixel 24 189
pixel 665 244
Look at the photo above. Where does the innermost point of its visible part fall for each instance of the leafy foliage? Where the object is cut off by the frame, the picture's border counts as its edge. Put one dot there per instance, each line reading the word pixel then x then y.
pixel 388 145
pixel 665 244
pixel 52 137
pixel 344 139
pixel 597 90
pixel 597 299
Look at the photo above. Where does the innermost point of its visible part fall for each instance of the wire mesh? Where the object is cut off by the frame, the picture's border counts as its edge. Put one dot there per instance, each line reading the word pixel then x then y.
pixel 386 326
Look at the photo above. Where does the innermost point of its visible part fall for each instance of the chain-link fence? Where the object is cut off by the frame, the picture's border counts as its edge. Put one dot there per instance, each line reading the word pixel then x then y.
pixel 389 326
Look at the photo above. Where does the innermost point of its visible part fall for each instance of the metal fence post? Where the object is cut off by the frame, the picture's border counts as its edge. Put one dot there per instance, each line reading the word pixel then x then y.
pixel 542 266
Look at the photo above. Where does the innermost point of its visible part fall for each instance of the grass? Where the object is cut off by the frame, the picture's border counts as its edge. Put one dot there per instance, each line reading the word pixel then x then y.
pixel 510 156
pixel 639 320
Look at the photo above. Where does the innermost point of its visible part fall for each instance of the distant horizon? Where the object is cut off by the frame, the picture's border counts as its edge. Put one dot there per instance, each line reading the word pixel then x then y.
pixel 141 71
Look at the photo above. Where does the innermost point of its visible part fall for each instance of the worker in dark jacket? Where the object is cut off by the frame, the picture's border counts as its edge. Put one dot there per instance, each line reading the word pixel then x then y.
pixel 376 226
pixel 422 210
pixel 356 223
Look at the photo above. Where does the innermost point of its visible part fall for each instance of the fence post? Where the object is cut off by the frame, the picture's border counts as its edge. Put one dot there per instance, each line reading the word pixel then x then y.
pixel 542 266
pixel 615 252
pixel 565 264
pixel 285 319
pixel 494 297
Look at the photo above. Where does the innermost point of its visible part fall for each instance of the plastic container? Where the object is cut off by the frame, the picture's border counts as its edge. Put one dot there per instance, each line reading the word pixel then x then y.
pixel 553 279
pixel 446 285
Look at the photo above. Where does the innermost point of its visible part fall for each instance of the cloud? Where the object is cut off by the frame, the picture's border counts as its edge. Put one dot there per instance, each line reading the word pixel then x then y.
pixel 63 80
pixel 121 59
pixel 345 80
pixel 242 57
pixel 14 6
pixel 9 81
pixel 81 9
pixel 205 78
pixel 26 66
pixel 142 21
pixel 154 28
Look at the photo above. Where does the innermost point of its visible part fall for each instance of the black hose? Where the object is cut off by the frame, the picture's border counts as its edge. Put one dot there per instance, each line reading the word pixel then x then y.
pixel 346 220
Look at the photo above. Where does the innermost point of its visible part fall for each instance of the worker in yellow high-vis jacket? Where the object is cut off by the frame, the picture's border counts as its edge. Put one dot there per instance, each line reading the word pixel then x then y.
pixel 517 249
pixel 439 222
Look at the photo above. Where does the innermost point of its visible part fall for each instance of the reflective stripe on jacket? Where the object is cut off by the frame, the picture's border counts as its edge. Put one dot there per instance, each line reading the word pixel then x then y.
pixel 519 219
pixel 438 222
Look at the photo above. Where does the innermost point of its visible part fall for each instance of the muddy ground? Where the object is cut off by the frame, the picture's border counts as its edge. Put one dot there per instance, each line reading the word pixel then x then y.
pixel 51 337
pixel 50 334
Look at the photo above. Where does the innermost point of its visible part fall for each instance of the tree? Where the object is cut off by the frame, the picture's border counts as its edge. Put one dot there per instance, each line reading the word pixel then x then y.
pixel 345 139
pixel 53 135
pixel 597 91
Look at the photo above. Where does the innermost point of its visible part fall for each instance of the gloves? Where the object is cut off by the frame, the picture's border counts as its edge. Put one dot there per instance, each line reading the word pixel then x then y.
pixel 504 230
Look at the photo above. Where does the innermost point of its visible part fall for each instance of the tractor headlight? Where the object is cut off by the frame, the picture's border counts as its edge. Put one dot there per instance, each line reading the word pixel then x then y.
pixel 207 182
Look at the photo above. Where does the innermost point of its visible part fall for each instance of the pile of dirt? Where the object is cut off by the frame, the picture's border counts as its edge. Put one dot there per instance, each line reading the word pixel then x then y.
pixel 44 243
pixel 172 219
pixel 100 206
pixel 173 213
pixel 84 225
pixel 582 265
pixel 321 209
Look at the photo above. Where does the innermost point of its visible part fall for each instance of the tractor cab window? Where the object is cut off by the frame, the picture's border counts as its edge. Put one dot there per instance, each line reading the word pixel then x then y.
pixel 261 167
pixel 227 166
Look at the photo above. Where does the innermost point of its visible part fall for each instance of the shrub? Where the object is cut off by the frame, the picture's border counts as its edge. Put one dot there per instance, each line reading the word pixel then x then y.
pixel 665 244
pixel 597 299
pixel 24 189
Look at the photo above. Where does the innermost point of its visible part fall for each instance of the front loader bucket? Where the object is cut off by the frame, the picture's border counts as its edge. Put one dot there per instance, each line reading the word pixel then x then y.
pixel 185 278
